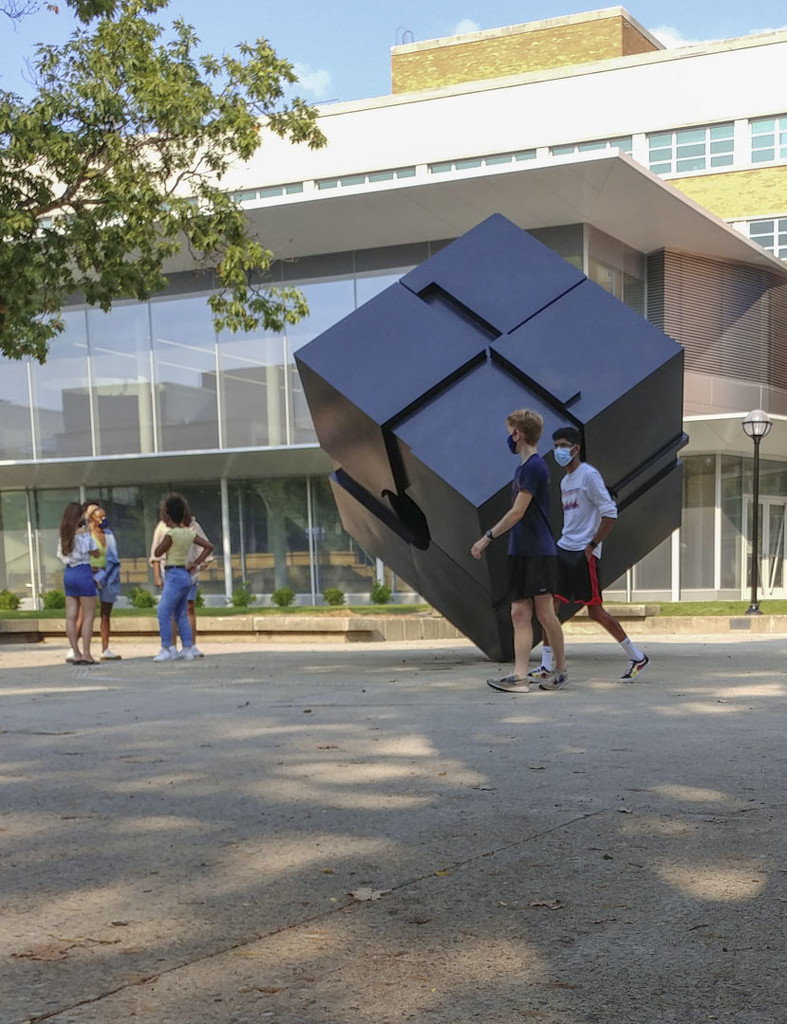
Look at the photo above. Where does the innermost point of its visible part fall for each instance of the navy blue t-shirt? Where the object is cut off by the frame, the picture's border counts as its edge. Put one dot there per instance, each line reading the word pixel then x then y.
pixel 532 534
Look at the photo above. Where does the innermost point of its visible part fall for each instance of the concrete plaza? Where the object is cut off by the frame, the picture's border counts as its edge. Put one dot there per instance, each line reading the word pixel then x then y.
pixel 331 834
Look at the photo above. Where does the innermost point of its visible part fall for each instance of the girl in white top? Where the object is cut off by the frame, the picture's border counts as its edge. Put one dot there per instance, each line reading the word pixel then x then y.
pixel 75 548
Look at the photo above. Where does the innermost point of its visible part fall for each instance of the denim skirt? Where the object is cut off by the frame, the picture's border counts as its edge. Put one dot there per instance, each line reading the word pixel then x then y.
pixel 78 581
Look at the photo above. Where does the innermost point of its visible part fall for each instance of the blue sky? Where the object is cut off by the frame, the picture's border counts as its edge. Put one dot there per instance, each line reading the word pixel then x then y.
pixel 341 49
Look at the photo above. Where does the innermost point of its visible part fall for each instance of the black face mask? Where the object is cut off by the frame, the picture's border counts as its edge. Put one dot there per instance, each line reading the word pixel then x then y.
pixel 511 443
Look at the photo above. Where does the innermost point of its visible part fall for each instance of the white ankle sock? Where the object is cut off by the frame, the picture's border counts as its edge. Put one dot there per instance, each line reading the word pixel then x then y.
pixel 546 658
pixel 633 652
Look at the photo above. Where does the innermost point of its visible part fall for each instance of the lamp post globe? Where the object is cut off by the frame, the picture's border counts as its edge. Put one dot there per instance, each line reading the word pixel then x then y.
pixel 756 425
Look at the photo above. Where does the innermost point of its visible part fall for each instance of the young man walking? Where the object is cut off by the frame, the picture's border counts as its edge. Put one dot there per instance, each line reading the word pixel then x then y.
pixel 589 513
pixel 532 561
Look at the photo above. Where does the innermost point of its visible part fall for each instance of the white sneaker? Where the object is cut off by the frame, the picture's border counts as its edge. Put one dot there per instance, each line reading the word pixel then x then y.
pixel 197 653
pixel 167 654
pixel 108 655
pixel 189 654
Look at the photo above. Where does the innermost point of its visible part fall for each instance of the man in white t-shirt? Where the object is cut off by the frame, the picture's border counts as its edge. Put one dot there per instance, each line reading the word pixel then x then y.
pixel 589 513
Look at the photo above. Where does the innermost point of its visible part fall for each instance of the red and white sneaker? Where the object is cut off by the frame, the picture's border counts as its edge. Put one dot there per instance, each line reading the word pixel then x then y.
pixel 634 669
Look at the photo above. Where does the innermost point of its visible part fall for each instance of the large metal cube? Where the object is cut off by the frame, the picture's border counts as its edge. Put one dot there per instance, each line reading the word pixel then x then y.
pixel 409 396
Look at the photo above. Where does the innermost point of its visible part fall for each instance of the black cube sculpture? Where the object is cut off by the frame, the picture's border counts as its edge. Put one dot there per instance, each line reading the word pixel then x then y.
pixel 409 396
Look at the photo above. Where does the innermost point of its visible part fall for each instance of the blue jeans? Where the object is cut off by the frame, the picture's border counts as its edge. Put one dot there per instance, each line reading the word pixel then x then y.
pixel 173 604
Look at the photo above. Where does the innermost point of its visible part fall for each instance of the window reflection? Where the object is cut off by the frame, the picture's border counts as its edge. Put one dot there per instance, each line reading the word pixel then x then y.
pixel 184 354
pixel 253 400
pixel 48 511
pixel 339 560
pixel 329 302
pixel 61 394
pixel 120 354
pixel 14 546
pixel 269 535
pixel 16 438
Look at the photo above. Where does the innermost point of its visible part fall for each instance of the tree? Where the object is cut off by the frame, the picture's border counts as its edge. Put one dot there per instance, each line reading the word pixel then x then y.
pixel 84 9
pixel 116 164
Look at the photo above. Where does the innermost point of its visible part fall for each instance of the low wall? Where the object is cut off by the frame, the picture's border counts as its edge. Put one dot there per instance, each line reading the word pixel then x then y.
pixel 303 629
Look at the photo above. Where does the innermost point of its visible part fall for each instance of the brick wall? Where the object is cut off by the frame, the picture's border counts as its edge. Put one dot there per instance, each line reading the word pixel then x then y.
pixel 739 195
pixel 504 52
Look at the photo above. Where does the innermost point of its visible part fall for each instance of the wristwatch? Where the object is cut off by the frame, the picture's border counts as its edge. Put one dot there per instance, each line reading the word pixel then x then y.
pixel 489 535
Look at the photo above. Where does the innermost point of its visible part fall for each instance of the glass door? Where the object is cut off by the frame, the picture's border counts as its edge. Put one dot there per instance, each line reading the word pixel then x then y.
pixel 773 574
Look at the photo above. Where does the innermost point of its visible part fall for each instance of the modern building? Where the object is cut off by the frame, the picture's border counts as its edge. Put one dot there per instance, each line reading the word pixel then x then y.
pixel 661 173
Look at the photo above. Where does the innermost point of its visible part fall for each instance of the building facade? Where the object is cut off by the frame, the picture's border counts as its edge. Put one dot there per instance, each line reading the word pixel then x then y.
pixel 662 174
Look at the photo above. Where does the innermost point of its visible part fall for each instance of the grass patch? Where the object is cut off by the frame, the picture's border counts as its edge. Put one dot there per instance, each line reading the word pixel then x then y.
pixel 721 608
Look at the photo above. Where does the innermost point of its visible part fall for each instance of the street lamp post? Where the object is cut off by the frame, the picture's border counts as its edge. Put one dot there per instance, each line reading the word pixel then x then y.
pixel 757 425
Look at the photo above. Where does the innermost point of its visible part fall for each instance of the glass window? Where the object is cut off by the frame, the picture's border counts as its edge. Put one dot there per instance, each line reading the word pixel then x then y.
pixel 731 521
pixel 14 545
pixel 691 149
pixel 369 285
pixel 16 435
pixel 119 345
pixel 339 561
pixel 49 506
pixel 654 572
pixel 61 394
pixel 184 353
pixel 623 144
pixel 252 381
pixel 697 524
pixel 769 139
pixel 269 535
pixel 771 234
pixel 329 302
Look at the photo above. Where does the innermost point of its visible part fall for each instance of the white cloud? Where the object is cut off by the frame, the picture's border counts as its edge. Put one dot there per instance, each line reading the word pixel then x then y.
pixel 673 37
pixel 466 25
pixel 313 81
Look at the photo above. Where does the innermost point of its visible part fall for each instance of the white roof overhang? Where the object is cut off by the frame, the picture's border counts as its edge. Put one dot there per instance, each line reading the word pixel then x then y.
pixel 724 433
pixel 612 192
pixel 166 468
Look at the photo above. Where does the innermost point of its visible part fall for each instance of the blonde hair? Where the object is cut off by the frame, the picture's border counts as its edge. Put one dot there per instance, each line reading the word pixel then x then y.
pixel 528 423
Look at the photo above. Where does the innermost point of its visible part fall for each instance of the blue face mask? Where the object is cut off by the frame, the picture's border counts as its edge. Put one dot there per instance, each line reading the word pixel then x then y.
pixel 563 456
pixel 511 443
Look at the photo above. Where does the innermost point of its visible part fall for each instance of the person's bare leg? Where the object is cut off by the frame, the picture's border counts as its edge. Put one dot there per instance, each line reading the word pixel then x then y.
pixel 522 619
pixel 598 613
pixel 106 612
pixel 72 611
pixel 550 623
pixel 89 614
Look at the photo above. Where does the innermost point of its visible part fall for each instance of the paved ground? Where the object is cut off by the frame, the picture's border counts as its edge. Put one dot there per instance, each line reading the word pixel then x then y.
pixel 181 843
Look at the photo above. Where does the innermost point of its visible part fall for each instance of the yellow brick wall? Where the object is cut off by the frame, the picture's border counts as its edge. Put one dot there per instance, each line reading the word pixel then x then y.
pixel 634 41
pixel 739 195
pixel 515 53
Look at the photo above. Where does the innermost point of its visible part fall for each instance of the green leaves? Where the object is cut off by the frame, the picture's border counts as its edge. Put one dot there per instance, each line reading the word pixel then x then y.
pixel 116 164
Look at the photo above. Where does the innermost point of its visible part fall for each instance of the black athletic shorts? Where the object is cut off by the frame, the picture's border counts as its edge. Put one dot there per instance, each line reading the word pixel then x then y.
pixel 577 578
pixel 531 575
